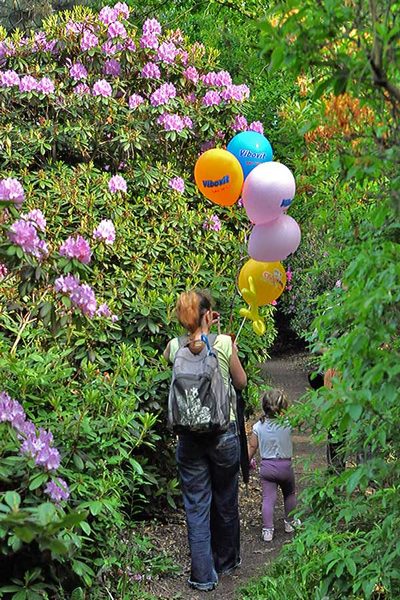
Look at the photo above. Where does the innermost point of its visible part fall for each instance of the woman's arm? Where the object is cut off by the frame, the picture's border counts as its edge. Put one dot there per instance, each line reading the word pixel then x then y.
pixel 253 445
pixel 167 351
pixel 238 374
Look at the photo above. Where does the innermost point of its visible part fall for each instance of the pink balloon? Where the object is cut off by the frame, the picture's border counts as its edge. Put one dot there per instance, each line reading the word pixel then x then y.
pixel 268 191
pixel 274 241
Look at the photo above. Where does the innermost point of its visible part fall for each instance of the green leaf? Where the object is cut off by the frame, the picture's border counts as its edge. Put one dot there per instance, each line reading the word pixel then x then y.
pixel 355 411
pixel 78 462
pixel 13 499
pixel 25 534
pixel 38 480
pixel 277 57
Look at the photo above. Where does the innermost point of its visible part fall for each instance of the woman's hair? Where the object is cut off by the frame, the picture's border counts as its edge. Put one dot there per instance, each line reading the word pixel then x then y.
pixel 274 403
pixel 191 307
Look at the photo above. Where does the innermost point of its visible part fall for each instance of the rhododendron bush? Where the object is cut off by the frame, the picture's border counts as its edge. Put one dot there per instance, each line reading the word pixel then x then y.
pixel 101 226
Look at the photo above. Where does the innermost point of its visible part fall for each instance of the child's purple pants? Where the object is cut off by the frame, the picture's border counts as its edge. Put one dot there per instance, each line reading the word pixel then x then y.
pixel 274 472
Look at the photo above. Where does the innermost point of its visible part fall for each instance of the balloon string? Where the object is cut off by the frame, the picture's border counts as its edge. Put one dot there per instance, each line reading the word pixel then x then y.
pixel 240 329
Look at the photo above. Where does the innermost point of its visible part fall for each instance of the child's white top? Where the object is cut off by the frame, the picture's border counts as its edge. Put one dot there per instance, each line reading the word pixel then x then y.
pixel 274 440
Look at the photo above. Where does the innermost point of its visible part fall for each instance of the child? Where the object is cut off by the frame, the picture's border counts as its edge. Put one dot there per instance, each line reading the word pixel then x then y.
pixel 274 442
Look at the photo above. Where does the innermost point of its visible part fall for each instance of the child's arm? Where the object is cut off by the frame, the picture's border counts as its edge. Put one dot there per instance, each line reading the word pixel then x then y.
pixel 253 445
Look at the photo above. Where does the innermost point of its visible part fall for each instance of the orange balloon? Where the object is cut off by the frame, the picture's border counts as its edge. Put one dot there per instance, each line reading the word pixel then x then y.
pixel 269 280
pixel 219 176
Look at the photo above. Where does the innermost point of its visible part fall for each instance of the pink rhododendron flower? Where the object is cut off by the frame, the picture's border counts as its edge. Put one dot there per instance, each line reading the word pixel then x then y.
pixel 108 15
pixel 177 184
pixel 238 93
pixel 135 100
pixel 171 122
pixel 191 74
pixel 105 231
pixel 274 303
pixel 46 86
pixel 240 123
pixel 3 271
pixel 116 30
pixel 24 234
pixel 163 94
pixel 289 274
pixel 256 126
pixel 212 224
pixel 151 71
pixel 36 217
pixel 9 78
pixel 66 283
pixel 117 184
pixel 28 83
pixel 83 297
pixel 103 310
pixel 338 283
pixel 211 98
pixel 11 190
pixel 149 40
pixel 122 9
pixel 217 79
pixel 57 490
pixel 89 40
pixel 81 89
pixel 74 27
pixel 112 67
pixel 167 52
pixel 78 71
pixel 102 88
pixel 152 27
pixel 207 146
pixel 76 247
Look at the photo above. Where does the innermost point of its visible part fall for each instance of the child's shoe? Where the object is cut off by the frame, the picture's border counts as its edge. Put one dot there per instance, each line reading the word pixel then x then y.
pixel 267 534
pixel 290 526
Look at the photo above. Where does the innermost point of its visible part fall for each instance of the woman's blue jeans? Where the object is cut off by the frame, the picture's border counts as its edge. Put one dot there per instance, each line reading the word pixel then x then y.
pixel 209 472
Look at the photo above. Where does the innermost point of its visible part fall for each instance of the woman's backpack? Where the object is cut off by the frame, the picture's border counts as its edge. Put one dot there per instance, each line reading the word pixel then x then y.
pixel 198 399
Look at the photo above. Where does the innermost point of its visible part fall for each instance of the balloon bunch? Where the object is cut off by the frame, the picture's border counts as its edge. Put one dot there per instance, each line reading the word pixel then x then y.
pixel 246 168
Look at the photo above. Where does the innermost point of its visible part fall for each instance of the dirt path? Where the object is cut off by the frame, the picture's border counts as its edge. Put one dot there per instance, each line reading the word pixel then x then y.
pixel 290 374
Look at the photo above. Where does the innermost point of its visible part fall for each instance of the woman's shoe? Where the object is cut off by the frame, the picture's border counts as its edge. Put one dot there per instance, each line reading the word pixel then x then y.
pixel 267 534
pixel 290 526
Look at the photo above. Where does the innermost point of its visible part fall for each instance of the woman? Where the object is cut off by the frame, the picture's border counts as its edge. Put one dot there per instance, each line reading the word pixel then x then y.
pixel 208 464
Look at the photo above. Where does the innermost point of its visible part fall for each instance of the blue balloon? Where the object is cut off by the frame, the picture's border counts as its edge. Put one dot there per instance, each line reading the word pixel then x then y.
pixel 251 149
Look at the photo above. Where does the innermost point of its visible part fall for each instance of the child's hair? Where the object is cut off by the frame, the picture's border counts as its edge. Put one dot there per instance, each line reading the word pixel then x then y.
pixel 274 403
pixel 191 307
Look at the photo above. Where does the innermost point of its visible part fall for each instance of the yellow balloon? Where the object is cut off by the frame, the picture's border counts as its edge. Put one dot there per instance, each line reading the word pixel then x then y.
pixel 219 176
pixel 269 279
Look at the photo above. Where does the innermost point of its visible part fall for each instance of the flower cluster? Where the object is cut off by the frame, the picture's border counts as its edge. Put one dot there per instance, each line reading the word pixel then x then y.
pixel 82 297
pixel 89 40
pixel 191 74
pixel 212 98
pixel 24 233
pixel 237 93
pixel 38 444
pixel 112 67
pixel 3 271
pixel 240 123
pixel 167 52
pixel 150 71
pixel 117 184
pixel 212 223
pixel 76 247
pixel 11 190
pixel 173 122
pixel 135 100
pixel 78 71
pixel 220 79
pixel 105 231
pixel 163 94
pixel 177 184
pixel 102 88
